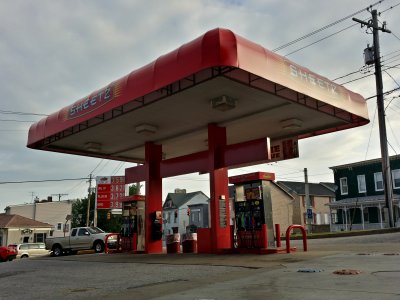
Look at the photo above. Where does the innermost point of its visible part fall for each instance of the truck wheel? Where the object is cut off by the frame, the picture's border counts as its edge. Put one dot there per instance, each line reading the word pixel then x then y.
pixel 98 247
pixel 57 250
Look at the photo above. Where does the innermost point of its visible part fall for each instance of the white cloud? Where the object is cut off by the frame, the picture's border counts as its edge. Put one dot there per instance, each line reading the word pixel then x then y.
pixel 53 53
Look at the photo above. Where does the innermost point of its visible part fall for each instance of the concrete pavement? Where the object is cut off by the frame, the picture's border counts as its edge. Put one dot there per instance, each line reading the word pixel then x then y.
pixel 192 276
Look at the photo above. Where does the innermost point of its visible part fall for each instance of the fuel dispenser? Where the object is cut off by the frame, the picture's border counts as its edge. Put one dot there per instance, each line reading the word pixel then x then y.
pixel 133 229
pixel 253 223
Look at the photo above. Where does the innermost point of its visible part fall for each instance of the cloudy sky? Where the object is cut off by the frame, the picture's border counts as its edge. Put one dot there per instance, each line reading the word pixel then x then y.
pixel 53 53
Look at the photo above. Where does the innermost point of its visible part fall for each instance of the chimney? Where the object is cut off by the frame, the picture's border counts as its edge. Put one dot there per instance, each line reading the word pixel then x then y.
pixel 180 191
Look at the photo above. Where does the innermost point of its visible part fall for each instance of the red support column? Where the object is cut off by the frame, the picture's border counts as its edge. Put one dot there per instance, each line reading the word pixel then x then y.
pixel 153 157
pixel 219 194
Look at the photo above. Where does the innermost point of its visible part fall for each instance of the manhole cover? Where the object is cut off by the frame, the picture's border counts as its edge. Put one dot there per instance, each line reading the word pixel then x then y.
pixel 347 272
pixel 309 270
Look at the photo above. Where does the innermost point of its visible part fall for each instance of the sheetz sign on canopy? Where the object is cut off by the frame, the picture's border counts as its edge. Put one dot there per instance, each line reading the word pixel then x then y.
pixel 217 102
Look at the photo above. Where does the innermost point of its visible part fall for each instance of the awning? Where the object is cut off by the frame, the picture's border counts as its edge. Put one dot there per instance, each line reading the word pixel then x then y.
pixel 171 100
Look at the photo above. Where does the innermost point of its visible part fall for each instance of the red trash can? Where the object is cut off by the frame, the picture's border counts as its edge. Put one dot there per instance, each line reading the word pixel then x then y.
pixel 173 242
pixel 189 242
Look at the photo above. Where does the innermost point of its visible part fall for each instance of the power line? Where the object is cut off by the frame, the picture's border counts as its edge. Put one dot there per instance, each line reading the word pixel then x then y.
pixel 323 28
pixel 392 78
pixel 362 77
pixel 394 136
pixel 320 40
pixel 390 102
pixel 385 93
pixel 45 180
pixel 21 121
pixel 97 166
pixel 10 112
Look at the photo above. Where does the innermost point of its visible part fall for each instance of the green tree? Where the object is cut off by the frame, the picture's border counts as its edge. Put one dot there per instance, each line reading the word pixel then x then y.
pixel 134 189
pixel 79 213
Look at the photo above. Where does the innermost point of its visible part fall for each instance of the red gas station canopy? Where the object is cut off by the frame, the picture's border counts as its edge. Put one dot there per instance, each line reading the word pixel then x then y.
pixel 220 78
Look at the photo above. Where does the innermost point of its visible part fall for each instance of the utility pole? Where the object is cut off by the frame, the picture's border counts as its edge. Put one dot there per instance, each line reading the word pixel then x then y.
pixel 59 196
pixel 88 204
pixel 386 173
pixel 309 211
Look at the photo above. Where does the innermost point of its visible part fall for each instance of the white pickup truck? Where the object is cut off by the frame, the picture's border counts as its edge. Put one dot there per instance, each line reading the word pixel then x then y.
pixel 81 238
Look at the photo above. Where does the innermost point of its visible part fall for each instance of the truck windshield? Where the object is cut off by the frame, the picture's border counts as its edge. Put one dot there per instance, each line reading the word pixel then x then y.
pixel 94 230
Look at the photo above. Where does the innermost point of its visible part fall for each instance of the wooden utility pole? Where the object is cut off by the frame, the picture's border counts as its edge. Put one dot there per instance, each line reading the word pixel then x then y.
pixel 88 203
pixel 307 202
pixel 59 196
pixel 386 173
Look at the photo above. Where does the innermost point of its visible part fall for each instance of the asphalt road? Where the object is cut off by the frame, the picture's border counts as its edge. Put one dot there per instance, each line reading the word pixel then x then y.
pixel 192 276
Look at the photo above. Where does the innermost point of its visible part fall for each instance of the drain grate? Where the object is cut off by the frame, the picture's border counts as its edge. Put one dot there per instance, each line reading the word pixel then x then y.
pixel 396 253
pixel 309 270
pixel 347 272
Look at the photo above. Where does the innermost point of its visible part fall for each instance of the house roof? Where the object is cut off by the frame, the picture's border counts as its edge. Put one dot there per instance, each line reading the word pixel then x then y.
pixel 330 185
pixel 179 199
pixel 362 201
pixel 315 189
pixel 364 162
pixel 16 221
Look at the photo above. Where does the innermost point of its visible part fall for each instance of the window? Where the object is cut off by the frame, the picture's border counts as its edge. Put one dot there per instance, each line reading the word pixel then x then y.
pixel 343 186
pixel 334 218
pixel 396 178
pixel 378 181
pixel 83 232
pixel 59 226
pixel 39 237
pixel 169 217
pixel 362 188
pixel 24 247
pixel 73 233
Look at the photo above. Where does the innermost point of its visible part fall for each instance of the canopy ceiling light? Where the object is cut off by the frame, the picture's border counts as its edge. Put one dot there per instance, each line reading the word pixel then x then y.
pixel 93 147
pixel 146 129
pixel 291 124
pixel 223 103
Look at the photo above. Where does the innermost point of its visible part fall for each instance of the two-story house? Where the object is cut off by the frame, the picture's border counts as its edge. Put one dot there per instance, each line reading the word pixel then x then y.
pixel 182 209
pixel 46 211
pixel 320 195
pixel 360 202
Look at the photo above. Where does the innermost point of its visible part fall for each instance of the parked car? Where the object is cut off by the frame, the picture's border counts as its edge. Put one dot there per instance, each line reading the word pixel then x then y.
pixel 81 238
pixel 30 250
pixel 7 253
